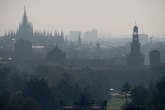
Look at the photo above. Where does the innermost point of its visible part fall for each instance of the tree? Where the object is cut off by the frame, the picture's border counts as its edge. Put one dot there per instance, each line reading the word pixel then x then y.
pixel 126 88
pixel 4 93
pixel 4 72
pixel 139 95
pixel 134 108
pixel 39 90
pixel 159 95
pixel 31 104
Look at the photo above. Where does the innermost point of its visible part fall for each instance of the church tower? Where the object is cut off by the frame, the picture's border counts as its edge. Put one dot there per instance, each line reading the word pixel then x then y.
pixel 135 57
pixel 135 45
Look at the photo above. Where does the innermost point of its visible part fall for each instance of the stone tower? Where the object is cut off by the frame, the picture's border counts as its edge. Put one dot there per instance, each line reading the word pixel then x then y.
pixel 135 58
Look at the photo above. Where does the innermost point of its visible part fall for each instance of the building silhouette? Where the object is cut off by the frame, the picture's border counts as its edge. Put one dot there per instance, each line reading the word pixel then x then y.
pixel 154 58
pixel 25 32
pixel 57 56
pixel 143 38
pixel 23 51
pixel 74 35
pixel 135 57
pixel 91 36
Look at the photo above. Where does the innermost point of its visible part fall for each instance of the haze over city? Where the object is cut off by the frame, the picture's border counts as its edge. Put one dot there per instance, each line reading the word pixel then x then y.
pixel 82 55
pixel 114 17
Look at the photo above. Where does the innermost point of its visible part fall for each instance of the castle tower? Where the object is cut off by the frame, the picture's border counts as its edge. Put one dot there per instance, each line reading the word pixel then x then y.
pixel 135 57
pixel 135 45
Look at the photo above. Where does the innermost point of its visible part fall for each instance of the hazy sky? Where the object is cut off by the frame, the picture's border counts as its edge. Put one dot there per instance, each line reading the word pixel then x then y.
pixel 116 17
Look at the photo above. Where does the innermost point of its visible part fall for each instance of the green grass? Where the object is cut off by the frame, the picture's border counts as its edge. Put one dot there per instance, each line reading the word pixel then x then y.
pixel 115 103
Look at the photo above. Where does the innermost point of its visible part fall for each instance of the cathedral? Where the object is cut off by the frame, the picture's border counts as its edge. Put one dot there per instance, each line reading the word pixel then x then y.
pixel 135 58
pixel 25 32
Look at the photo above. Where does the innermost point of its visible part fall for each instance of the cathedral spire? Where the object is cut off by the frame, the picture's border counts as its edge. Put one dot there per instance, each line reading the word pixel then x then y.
pixel 25 21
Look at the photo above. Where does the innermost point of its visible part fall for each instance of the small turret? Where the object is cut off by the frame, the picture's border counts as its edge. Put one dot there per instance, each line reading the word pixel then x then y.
pixel 79 42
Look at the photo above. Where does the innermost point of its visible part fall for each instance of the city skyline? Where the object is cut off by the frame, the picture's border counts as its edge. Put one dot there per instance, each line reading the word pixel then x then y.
pixel 70 15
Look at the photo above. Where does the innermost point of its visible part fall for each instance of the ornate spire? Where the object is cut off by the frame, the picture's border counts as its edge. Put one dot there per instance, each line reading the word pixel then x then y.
pixel 25 21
